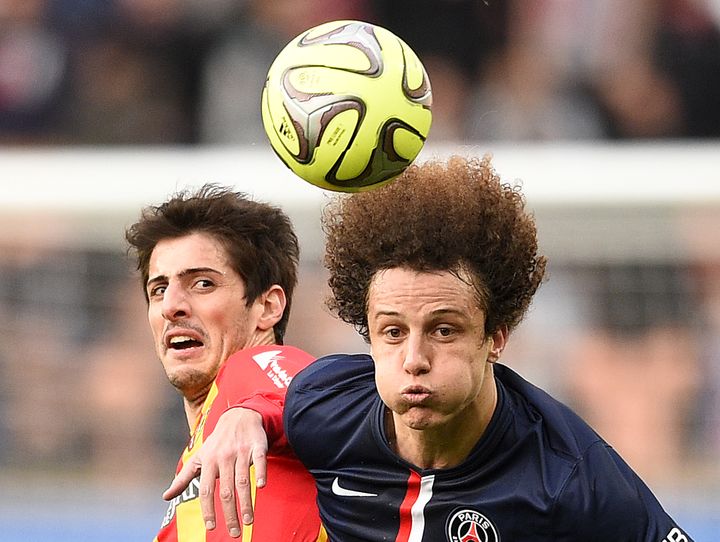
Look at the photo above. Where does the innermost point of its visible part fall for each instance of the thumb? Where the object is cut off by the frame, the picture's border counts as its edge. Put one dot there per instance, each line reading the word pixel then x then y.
pixel 182 479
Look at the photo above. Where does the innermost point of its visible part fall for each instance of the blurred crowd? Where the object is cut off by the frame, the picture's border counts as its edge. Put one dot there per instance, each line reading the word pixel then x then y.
pixel 191 71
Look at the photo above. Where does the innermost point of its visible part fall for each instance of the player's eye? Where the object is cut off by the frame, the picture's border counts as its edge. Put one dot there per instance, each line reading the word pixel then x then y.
pixel 445 331
pixel 204 284
pixel 157 291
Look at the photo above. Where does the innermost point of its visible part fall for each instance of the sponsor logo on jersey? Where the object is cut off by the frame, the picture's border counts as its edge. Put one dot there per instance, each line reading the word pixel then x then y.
pixel 675 535
pixel 269 362
pixel 192 491
pixel 337 489
pixel 465 525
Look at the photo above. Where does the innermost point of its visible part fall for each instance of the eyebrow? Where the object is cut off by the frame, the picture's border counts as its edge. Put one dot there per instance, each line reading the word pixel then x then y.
pixel 184 273
pixel 435 313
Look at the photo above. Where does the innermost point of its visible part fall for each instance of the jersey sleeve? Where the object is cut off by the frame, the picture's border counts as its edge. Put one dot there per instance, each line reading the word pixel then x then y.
pixel 257 379
pixel 604 499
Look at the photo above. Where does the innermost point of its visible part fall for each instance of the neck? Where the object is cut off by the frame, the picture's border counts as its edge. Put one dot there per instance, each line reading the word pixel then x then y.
pixel 193 407
pixel 448 444
pixel 261 338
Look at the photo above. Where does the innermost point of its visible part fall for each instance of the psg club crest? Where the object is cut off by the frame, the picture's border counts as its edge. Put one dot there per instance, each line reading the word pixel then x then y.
pixel 467 525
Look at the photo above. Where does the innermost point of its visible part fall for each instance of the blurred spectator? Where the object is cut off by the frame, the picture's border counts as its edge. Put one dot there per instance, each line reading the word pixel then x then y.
pixel 656 70
pixel 700 231
pixel 238 61
pixel 123 95
pixel 639 393
pixel 688 49
pixel 33 71
pixel 455 40
pixel 135 67
pixel 40 407
pixel 533 89
pixel 709 278
pixel 524 96
pixel 75 392
pixel 635 372
pixel 582 69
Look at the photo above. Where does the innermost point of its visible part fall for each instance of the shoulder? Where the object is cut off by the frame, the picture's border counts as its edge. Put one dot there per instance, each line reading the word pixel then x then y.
pixel 273 361
pixel 328 402
pixel 599 495
pixel 337 371
pixel 605 498
pixel 565 433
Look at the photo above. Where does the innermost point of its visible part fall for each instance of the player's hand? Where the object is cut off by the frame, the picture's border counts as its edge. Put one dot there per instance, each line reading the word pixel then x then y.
pixel 237 442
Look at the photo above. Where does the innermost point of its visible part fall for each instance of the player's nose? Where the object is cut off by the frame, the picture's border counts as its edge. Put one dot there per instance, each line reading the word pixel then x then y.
pixel 416 359
pixel 175 303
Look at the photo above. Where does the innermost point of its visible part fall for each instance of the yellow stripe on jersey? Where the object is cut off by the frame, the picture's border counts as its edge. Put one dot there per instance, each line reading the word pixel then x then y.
pixel 189 519
pixel 247 529
pixel 197 437
pixel 322 535
pixel 190 524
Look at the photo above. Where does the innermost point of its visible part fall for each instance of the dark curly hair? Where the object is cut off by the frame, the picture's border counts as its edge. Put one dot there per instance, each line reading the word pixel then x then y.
pixel 259 238
pixel 454 215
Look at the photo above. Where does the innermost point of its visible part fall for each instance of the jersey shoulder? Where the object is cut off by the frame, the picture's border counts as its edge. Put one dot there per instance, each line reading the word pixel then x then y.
pixel 565 433
pixel 262 368
pixel 336 371
pixel 328 404
pixel 599 496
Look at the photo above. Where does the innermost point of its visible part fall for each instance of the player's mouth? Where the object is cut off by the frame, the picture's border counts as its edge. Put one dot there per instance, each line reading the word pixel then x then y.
pixel 182 341
pixel 415 395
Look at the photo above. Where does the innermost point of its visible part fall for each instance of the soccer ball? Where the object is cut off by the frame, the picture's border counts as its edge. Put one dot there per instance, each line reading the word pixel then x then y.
pixel 346 106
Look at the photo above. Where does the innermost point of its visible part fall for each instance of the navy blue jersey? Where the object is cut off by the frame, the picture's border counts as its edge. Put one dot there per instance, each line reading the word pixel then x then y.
pixel 538 473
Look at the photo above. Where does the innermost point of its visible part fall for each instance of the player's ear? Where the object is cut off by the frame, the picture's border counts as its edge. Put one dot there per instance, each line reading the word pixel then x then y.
pixel 498 340
pixel 273 303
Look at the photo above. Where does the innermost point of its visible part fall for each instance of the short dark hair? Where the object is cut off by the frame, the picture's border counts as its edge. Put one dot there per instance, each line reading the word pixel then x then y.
pixel 259 238
pixel 455 216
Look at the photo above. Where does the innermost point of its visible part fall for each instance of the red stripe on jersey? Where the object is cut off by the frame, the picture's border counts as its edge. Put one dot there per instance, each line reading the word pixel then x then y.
pixel 411 497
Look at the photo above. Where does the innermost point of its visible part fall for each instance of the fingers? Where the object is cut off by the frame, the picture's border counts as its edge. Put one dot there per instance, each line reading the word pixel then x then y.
pixel 243 484
pixel 207 495
pixel 237 442
pixel 226 492
pixel 244 490
pixel 182 479
pixel 259 459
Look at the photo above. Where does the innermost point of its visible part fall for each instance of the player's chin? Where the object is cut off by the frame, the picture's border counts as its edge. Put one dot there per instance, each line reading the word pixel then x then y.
pixel 187 379
pixel 419 418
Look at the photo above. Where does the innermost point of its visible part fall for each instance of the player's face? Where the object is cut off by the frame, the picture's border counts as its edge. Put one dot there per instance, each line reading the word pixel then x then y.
pixel 197 310
pixel 432 356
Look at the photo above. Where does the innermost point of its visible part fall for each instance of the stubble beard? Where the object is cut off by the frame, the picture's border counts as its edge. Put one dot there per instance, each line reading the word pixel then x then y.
pixel 191 383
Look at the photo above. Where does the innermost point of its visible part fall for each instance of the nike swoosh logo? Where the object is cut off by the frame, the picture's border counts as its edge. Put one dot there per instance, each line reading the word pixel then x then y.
pixel 343 492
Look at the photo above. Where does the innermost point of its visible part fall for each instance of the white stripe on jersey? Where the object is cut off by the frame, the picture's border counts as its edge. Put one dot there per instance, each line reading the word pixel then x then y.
pixel 417 512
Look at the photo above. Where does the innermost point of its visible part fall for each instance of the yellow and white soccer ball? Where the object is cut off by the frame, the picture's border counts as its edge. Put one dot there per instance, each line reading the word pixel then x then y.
pixel 346 105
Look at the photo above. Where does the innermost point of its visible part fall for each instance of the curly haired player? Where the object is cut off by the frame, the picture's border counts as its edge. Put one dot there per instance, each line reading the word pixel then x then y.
pixel 432 439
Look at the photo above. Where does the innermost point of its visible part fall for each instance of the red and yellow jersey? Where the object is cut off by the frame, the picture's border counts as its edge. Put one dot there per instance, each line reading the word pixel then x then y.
pixel 285 509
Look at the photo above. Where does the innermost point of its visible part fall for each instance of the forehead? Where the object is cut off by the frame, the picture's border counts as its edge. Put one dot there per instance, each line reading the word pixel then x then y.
pixel 406 291
pixel 187 252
